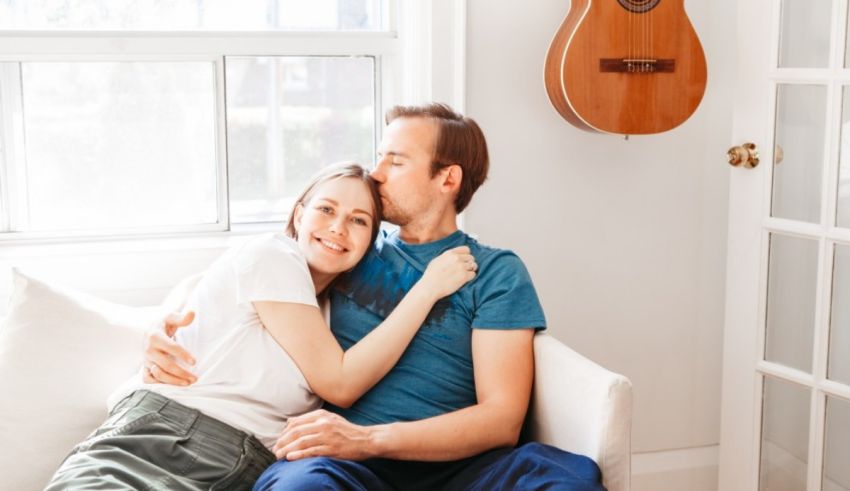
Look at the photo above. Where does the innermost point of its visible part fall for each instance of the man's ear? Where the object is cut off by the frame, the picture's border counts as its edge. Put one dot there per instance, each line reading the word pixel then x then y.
pixel 452 177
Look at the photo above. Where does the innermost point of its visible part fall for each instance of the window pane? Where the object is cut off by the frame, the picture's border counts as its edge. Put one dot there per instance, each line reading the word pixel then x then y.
pixel 836 452
pixel 800 132
pixel 847 42
pixel 839 325
pixel 843 201
pixel 804 39
pixel 4 178
pixel 116 145
pixel 784 436
pixel 792 281
pixel 286 118
pixel 191 15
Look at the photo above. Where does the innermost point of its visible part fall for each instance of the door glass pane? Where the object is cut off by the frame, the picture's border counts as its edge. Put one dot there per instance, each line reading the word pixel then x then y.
pixel 113 144
pixel 847 46
pixel 836 472
pixel 843 202
pixel 784 436
pixel 839 328
pixel 191 15
pixel 792 279
pixel 288 116
pixel 804 38
pixel 800 137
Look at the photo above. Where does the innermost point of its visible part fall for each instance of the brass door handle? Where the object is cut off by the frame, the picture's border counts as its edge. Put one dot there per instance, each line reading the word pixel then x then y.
pixel 745 154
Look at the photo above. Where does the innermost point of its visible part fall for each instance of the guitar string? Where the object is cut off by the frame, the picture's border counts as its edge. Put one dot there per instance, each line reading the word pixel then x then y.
pixel 646 35
pixel 642 37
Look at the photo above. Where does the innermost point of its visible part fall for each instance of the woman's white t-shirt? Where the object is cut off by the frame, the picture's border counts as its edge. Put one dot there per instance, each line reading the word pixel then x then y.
pixel 245 378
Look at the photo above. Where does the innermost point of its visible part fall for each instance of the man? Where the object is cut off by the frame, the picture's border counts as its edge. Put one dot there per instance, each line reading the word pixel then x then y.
pixel 450 412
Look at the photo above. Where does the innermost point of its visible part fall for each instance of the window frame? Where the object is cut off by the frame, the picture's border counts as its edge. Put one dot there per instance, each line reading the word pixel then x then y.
pixel 417 32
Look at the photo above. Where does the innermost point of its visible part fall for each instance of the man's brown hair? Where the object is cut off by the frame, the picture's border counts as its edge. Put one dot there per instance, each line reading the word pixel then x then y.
pixel 459 141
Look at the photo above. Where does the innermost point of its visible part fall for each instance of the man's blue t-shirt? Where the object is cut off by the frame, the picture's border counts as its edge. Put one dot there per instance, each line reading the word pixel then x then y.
pixel 435 375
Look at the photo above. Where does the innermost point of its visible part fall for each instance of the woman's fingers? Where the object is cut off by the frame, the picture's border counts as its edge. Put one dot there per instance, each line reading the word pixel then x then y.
pixel 175 321
pixel 163 377
pixel 165 368
pixel 159 342
pixel 161 359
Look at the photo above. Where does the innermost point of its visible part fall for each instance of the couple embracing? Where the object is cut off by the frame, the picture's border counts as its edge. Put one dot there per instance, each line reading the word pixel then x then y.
pixel 337 356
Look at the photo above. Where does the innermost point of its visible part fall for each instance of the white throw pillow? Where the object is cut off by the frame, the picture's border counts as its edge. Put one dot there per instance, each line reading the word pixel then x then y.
pixel 62 352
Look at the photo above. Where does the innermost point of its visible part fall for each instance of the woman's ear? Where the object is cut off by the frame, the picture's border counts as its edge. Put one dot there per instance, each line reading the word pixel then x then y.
pixel 296 219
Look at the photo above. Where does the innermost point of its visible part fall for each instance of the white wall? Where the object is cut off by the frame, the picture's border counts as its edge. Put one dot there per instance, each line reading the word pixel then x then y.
pixel 625 240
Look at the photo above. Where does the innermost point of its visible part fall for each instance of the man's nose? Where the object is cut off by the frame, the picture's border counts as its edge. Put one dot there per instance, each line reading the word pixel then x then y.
pixel 377 172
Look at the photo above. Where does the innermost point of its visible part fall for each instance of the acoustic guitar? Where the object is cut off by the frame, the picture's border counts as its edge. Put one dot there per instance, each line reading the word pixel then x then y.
pixel 630 67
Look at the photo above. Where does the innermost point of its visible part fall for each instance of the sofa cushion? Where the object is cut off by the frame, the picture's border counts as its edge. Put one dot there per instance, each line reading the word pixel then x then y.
pixel 61 353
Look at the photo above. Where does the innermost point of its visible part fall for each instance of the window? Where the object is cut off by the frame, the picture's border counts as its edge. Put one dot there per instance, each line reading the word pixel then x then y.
pixel 249 15
pixel 183 131
pixel 126 118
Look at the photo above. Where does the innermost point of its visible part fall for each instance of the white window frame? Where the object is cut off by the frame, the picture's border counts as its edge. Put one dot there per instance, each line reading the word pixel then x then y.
pixel 419 57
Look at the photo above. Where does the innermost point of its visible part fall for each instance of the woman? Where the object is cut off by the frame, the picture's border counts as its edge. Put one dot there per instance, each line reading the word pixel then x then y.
pixel 256 299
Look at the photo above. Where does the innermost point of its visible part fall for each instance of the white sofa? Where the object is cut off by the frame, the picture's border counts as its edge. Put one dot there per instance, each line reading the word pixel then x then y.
pixel 583 408
pixel 62 352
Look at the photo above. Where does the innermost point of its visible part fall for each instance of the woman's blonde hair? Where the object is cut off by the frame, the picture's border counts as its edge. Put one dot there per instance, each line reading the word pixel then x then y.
pixel 338 171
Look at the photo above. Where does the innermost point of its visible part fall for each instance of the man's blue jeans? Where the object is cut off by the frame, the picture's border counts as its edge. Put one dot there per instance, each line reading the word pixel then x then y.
pixel 530 466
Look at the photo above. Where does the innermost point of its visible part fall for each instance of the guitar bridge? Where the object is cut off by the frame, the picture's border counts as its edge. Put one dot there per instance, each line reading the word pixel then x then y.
pixel 636 65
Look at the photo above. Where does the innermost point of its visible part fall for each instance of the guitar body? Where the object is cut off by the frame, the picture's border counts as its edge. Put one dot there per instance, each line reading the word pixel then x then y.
pixel 630 67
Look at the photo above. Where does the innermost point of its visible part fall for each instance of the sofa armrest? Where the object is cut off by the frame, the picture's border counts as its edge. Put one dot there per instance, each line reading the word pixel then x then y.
pixel 578 406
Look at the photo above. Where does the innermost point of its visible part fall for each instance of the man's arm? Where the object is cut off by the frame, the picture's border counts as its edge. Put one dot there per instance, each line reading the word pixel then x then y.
pixel 503 363
pixel 161 353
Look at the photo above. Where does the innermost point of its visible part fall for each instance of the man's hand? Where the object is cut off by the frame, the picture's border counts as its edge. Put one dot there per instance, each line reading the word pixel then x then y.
pixel 162 353
pixel 323 434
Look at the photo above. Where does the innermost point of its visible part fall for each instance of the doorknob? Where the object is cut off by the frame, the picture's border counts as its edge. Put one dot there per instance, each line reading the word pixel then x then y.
pixel 744 154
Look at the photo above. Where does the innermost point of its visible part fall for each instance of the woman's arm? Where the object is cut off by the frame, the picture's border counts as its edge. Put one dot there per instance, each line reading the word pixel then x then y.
pixel 341 377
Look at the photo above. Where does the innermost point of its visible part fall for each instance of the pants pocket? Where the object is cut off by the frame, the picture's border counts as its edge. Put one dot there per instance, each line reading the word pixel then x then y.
pixel 232 480
pixel 252 463
pixel 124 424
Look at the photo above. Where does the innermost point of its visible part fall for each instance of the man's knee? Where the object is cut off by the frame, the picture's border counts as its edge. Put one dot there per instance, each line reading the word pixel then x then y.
pixel 536 453
pixel 305 474
pixel 551 463
pixel 533 448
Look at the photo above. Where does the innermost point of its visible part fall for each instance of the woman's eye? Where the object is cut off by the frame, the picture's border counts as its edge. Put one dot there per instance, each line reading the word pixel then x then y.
pixel 325 209
pixel 360 221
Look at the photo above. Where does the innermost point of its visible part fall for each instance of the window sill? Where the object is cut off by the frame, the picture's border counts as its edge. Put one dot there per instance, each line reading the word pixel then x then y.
pixel 28 248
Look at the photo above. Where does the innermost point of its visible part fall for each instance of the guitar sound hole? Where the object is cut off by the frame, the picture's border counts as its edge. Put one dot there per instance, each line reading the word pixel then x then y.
pixel 638 6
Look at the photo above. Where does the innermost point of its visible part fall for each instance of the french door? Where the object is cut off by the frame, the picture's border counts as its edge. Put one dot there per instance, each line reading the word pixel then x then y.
pixel 786 371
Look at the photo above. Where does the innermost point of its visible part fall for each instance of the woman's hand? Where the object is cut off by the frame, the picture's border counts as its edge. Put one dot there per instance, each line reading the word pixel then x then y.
pixel 162 353
pixel 448 272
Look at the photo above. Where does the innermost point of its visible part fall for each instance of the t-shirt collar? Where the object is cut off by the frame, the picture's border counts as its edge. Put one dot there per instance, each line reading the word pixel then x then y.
pixel 454 239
